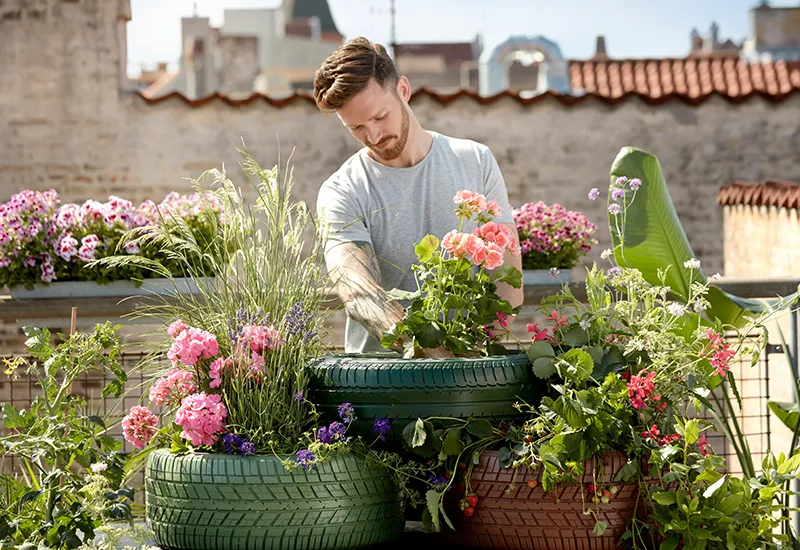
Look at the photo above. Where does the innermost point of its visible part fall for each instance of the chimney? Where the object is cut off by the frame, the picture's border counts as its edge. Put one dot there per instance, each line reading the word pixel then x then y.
pixel 600 48
pixel 714 35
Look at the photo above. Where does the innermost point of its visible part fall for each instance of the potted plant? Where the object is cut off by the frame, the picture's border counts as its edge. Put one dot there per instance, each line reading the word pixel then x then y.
pixel 552 240
pixel 49 249
pixel 614 437
pixel 456 307
pixel 70 476
pixel 236 456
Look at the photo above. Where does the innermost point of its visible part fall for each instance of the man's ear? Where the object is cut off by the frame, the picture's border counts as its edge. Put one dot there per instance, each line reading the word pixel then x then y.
pixel 404 89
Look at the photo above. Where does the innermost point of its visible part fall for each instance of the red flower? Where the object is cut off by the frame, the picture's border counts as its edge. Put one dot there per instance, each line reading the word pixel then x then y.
pixel 704 445
pixel 558 322
pixel 538 334
pixel 653 433
pixel 640 387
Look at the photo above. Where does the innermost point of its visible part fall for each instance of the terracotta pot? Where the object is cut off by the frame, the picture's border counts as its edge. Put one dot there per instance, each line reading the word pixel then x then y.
pixel 529 518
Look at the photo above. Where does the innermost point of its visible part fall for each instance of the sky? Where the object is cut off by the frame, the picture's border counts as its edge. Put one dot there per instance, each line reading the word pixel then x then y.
pixel 633 28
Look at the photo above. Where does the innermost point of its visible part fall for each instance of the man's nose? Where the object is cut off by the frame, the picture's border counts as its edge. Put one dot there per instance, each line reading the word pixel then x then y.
pixel 373 135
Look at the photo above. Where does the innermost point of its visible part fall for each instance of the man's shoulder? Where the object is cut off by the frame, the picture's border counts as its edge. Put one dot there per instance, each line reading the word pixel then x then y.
pixel 348 176
pixel 462 146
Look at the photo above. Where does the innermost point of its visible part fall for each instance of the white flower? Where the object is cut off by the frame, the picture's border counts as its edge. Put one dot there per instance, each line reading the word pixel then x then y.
pixel 699 307
pixel 584 324
pixel 676 309
pixel 692 264
pixel 716 277
pixel 98 467
pixel 554 272
pixel 605 254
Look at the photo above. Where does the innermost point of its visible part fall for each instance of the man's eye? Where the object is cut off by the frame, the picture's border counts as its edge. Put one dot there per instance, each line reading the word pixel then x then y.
pixel 380 117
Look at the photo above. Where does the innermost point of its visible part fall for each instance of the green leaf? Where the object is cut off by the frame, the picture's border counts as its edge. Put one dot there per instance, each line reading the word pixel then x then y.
pixel 414 434
pixel 571 411
pixel 544 367
pixel 691 432
pixel 789 466
pixel 431 336
pixel 479 427
pixel 539 350
pixel 708 493
pixel 427 519
pixel 508 274
pixel 96 420
pixel 627 472
pixel 652 233
pixel 575 445
pixel 426 248
pixel 768 492
pixel 665 498
pixel 12 418
pixel 398 294
pixel 788 413
pixel 432 501
pixel 600 528
pixel 597 354
pixel 581 365
pixel 576 337
pixel 504 457
pixel 669 544
pixel 453 445
pixel 730 504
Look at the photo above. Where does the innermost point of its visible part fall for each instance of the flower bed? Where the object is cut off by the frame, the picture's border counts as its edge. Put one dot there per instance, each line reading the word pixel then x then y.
pixel 43 240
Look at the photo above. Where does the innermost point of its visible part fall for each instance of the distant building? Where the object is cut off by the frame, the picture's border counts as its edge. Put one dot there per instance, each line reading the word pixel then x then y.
pixel 775 34
pixel 272 51
pixel 711 45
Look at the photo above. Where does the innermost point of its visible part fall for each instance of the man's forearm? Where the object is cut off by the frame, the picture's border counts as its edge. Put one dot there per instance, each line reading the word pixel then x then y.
pixel 369 306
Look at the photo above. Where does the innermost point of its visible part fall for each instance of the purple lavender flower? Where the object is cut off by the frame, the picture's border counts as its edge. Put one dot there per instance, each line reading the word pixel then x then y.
pixel 347 413
pixel 636 183
pixel 231 443
pixel 614 209
pixel 337 430
pixel 617 194
pixel 299 396
pixel 248 448
pixel 382 426
pixel 325 436
pixel 305 458
pixel 594 194
pixel 614 272
pixel 439 484
pixel 297 320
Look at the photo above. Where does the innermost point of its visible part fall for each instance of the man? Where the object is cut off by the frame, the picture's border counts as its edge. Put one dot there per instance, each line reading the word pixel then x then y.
pixel 394 191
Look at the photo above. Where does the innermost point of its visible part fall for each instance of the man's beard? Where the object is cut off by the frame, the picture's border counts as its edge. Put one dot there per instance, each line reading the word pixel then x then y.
pixel 395 151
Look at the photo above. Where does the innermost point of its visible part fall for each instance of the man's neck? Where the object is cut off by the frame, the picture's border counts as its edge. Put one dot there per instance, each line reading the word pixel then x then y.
pixel 417 147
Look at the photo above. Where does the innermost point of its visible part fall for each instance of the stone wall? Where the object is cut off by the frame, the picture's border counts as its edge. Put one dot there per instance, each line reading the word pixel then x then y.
pixel 66 124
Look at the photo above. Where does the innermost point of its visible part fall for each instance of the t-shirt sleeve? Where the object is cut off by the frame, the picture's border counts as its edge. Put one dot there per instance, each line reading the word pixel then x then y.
pixel 338 207
pixel 494 186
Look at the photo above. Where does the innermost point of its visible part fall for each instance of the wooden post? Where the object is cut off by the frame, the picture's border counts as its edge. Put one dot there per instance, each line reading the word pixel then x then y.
pixel 74 321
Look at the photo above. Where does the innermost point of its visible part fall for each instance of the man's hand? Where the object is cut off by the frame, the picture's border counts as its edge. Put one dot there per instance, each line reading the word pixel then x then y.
pixel 353 268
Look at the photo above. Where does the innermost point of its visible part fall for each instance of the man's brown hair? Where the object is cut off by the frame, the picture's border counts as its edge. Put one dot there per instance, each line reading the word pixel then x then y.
pixel 349 69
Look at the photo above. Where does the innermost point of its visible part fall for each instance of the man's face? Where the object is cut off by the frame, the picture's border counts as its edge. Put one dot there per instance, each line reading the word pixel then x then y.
pixel 377 117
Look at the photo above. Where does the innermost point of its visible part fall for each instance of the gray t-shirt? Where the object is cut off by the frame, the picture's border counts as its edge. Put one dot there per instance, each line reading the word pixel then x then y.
pixel 394 208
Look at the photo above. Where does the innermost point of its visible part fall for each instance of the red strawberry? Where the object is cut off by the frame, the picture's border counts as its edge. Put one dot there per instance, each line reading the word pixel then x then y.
pixel 532 483
pixel 592 488
pixel 469 511
pixel 472 500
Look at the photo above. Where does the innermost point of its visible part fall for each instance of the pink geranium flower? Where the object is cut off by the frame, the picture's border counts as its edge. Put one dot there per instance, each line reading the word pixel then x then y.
pixel 139 426
pixel 202 418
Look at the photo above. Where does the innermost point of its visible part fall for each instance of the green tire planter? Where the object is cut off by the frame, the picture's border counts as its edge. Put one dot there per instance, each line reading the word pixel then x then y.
pixel 387 386
pixel 209 501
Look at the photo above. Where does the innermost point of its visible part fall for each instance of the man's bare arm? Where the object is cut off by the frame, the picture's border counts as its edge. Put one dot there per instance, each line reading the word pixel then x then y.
pixel 354 270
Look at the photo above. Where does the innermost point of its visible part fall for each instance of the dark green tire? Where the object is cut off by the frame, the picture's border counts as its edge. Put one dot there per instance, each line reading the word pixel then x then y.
pixel 208 501
pixel 402 390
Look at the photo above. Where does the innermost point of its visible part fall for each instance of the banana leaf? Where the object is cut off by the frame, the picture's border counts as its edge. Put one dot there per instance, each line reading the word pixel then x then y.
pixel 649 237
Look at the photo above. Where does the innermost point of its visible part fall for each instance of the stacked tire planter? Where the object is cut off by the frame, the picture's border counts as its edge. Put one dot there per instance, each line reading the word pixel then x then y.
pixel 210 501
pixel 388 386
pixel 528 518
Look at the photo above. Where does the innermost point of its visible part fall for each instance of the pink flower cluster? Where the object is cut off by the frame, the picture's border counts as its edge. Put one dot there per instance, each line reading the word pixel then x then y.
pixel 171 389
pixel 485 246
pixel 721 353
pixel 192 344
pixel 34 226
pixel 654 434
pixel 471 203
pixel 261 338
pixel 641 388
pixel 139 426
pixel 552 233
pixel 202 418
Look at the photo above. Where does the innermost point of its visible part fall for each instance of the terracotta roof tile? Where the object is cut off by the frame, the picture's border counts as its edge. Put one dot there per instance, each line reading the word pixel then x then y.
pixel 654 81
pixel 689 77
pixel 779 193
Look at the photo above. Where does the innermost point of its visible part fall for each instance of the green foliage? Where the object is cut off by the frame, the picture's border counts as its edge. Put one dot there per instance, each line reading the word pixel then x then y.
pixel 73 468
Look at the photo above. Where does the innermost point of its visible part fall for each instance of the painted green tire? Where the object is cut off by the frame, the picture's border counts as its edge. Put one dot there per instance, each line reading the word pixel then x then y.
pixel 209 501
pixel 382 386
